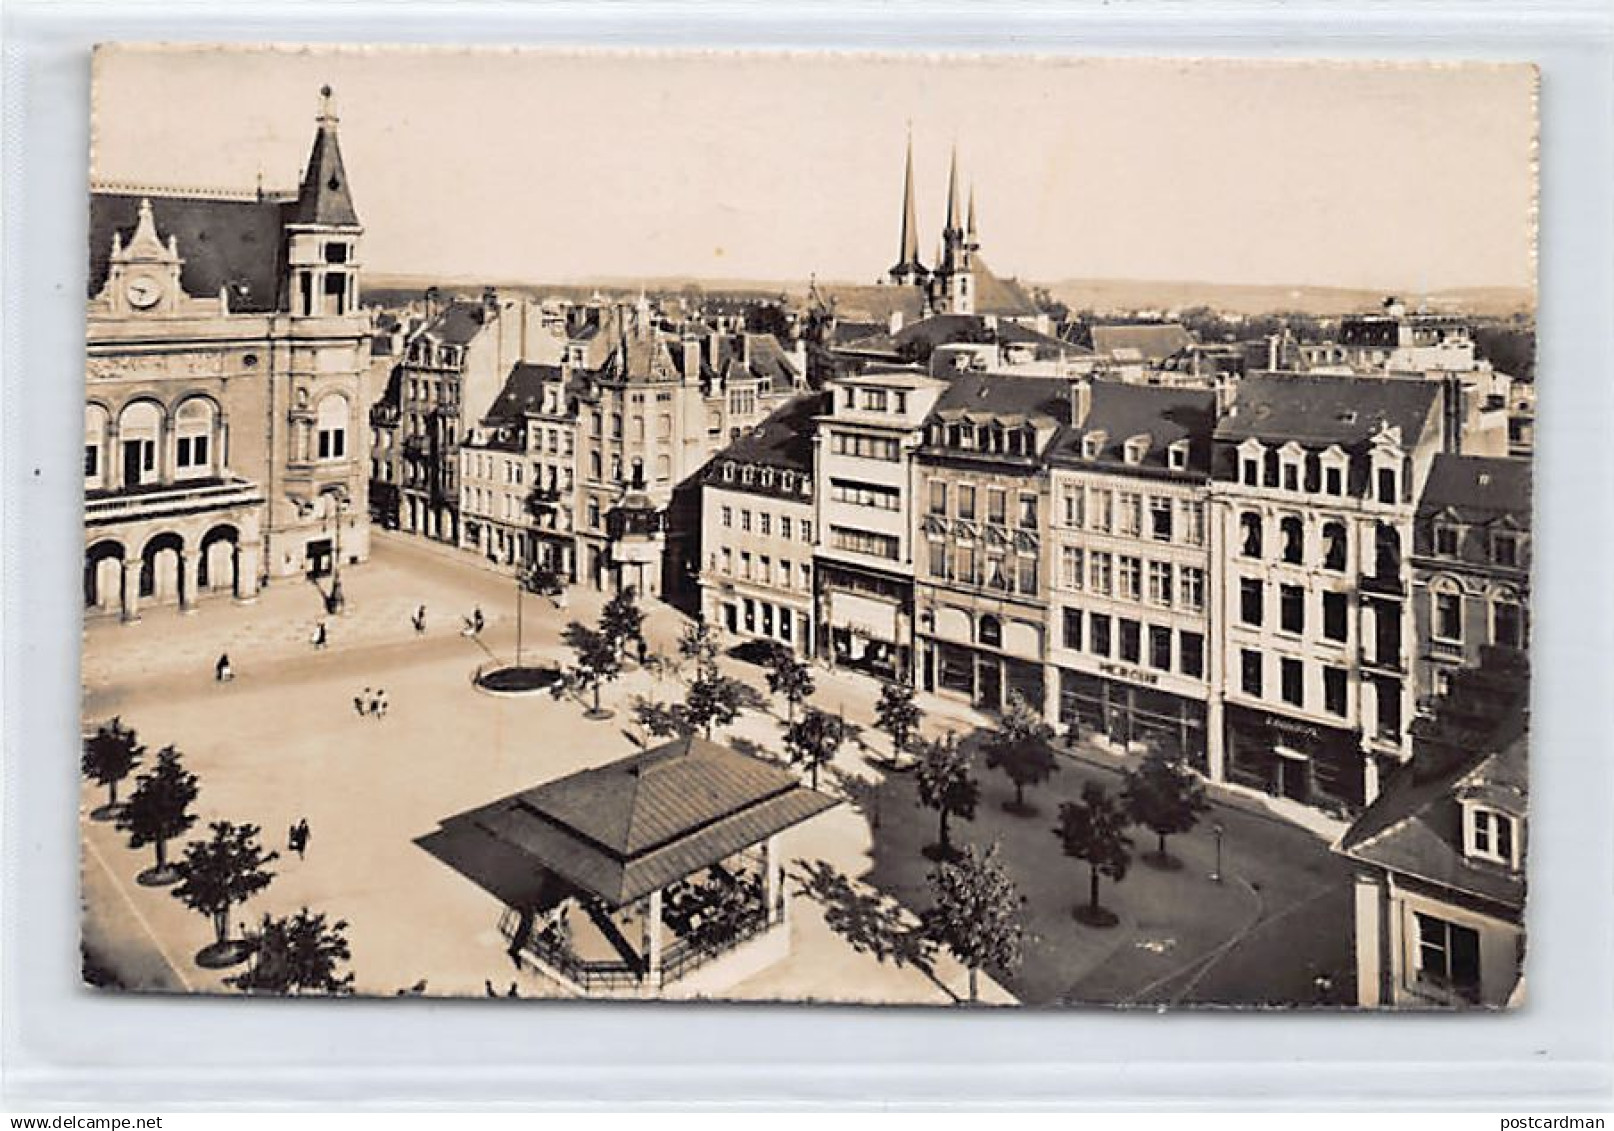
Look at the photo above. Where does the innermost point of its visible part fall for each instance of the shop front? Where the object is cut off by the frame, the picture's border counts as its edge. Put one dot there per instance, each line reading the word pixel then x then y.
pixel 1294 758
pixel 986 679
pixel 866 621
pixel 1126 707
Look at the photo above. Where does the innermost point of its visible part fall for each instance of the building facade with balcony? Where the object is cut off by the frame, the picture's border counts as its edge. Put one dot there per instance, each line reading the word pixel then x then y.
pixel 864 470
pixel 1130 619
pixel 1315 486
pixel 980 511
pixel 1471 557
pixel 225 433
pixel 757 514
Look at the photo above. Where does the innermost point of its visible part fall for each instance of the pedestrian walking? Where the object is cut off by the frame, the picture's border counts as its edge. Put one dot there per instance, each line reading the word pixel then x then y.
pixel 222 672
pixel 477 623
pixel 291 838
pixel 361 703
pixel 419 621
pixel 512 991
pixel 381 704
pixel 375 702
pixel 321 636
pixel 302 837
pixel 487 987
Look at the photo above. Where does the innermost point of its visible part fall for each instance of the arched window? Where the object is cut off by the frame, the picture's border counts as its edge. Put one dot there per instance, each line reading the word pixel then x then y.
pixel 1250 531
pixel 139 427
pixel 638 473
pixel 1507 619
pixel 991 631
pixel 1335 547
pixel 193 439
pixel 95 425
pixel 1294 539
pixel 330 427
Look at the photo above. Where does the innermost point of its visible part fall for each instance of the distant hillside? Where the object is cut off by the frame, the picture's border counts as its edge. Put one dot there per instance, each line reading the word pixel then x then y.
pixel 1141 294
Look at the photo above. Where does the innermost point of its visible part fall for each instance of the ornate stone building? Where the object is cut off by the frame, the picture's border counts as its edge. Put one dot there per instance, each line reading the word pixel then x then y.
pixel 226 351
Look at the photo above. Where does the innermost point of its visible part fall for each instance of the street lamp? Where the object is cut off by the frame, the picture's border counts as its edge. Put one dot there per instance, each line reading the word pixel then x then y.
pixel 337 601
pixel 1218 832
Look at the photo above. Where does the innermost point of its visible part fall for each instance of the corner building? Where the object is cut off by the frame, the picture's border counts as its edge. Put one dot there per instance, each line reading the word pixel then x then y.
pixel 1315 485
pixel 226 352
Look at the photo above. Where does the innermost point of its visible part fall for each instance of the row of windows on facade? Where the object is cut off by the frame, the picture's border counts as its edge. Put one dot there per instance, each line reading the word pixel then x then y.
pixel 759 617
pixel 1134 449
pixel 1122 638
pixel 664 426
pixel 787 574
pixel 886 449
pixel 1292 687
pixel 143 426
pixel 860 398
pixel 1157 517
pixel 967 564
pixel 1123 575
pixel 1503 547
pixel 1335 543
pixel 1297 471
pixel 786 480
pixel 1507 628
pixel 1292 612
pixel 989 439
pixel 337 295
pixel 427 352
pixel 511 508
pixel 427 391
pixel 963 496
pixel 765 523
pixel 596 467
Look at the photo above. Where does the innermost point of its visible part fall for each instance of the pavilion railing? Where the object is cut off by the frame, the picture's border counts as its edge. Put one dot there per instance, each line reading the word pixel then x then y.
pixel 588 975
pixel 686 956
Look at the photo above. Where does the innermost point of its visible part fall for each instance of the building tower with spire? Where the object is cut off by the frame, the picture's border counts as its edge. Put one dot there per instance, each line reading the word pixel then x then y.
pixel 952 286
pixel 908 270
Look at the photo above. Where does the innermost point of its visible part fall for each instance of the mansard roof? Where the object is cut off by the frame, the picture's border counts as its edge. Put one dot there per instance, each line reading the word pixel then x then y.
pixel 1166 414
pixel 1320 409
pixel 1478 489
pixel 231 244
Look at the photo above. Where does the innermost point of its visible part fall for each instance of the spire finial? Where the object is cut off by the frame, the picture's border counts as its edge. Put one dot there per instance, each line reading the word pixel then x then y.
pixel 908 252
pixel 952 191
pixel 327 106
pixel 969 230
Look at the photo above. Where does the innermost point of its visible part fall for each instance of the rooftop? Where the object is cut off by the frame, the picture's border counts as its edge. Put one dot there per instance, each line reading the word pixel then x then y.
pixel 230 245
pixel 1479 488
pixel 784 439
pixel 1325 409
pixel 1164 413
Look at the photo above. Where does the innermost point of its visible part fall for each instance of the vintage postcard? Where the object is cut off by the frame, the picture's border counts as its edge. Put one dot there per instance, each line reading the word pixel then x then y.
pixel 807 527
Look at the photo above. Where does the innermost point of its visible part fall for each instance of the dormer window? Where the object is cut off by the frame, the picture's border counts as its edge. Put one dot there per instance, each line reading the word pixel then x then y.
pixel 728 472
pixel 1092 445
pixel 1252 457
pixel 1491 835
pixel 1448 539
pixel 1505 549
pixel 1136 448
pixel 1177 456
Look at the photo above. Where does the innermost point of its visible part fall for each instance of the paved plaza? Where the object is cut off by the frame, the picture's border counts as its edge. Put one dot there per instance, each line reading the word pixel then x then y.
pixel 283 742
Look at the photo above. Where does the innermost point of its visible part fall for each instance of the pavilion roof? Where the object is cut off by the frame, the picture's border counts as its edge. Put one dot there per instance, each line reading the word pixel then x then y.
pixel 625 829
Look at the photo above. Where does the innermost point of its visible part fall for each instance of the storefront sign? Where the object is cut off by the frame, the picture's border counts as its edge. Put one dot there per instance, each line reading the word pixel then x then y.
pixel 1131 675
pixel 864 616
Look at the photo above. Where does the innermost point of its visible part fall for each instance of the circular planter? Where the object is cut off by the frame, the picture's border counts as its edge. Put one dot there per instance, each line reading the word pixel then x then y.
pixel 1096 917
pixel 513 680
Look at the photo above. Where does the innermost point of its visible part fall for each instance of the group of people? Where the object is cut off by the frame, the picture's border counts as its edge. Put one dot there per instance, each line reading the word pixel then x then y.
pixel 474 624
pixel 372 702
pixel 297 837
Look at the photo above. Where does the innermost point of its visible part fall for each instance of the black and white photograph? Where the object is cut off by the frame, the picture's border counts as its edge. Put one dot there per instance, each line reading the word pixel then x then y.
pixel 929 530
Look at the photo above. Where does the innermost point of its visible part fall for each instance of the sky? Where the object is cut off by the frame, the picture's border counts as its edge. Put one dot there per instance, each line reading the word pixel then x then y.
pixel 550 166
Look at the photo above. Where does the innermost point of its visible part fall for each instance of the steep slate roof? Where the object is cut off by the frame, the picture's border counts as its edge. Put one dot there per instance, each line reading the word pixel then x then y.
pixel 233 244
pixel 1315 409
pixel 323 197
pixel 1041 400
pixel 873 303
pixel 1153 341
pixel 625 829
pixel 458 322
pixel 783 440
pixel 1415 827
pixel 1478 488
pixel 998 296
pixel 523 392
pixel 1165 413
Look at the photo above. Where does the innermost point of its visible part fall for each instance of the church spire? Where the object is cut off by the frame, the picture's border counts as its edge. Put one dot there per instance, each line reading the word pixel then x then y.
pixel 970 240
pixel 952 194
pixel 323 197
pixel 908 269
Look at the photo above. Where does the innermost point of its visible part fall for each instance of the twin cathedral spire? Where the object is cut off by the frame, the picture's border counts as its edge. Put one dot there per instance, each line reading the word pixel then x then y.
pixel 949 288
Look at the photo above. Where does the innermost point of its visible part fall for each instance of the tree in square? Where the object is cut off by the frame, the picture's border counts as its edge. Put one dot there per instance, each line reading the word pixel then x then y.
pixel 1019 747
pixel 595 663
pixel 814 739
pixel 111 755
pixel 1166 797
pixel 976 913
pixel 622 620
pixel 789 677
pixel 158 811
pixel 1094 830
pixel 897 716
pixel 947 786
pixel 216 874
pixel 297 954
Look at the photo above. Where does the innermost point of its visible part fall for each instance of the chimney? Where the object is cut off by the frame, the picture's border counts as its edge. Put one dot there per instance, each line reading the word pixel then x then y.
pixel 692 359
pixel 745 349
pixel 1272 352
pixel 896 321
pixel 1081 401
pixel 1225 388
pixel 1452 410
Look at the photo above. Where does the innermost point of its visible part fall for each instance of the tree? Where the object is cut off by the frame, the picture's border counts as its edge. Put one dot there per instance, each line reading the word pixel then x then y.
pixel 158 811
pixel 716 700
pixel 1019 747
pixel 976 914
pixel 897 715
pixel 699 643
pixel 596 664
pixel 1165 797
pixel 790 677
pixel 945 785
pixel 622 619
pixel 110 755
pixel 1094 830
pixel 813 739
pixel 297 954
pixel 217 874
